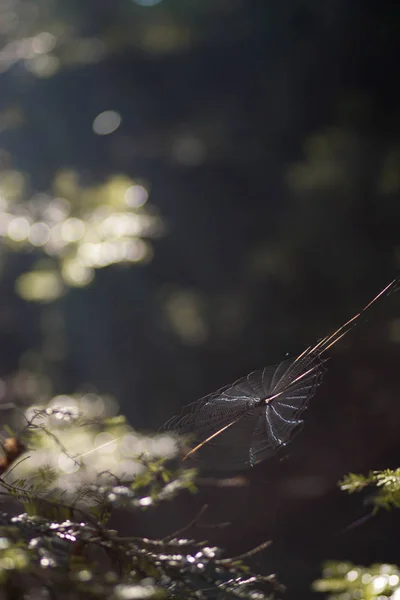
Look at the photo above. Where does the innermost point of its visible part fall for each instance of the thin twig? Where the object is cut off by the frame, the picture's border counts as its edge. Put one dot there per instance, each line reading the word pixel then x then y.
pixel 188 526
pixel 15 465
pixel 247 554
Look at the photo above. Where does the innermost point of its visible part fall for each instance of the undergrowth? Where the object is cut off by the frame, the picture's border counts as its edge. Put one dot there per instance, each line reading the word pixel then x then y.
pixel 55 539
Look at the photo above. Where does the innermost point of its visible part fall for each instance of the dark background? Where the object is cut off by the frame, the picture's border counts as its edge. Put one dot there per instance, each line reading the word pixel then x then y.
pixel 268 136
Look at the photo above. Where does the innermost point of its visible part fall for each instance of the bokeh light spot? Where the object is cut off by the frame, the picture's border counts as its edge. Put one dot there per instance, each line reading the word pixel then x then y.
pixel 43 65
pixel 39 286
pixel 106 122
pixel 67 464
pixel 165 445
pixel 57 210
pixel 18 229
pixel 105 443
pixel 39 234
pixel 73 230
pixel 128 445
pixel 43 42
pixel 76 274
pixel 136 250
pixel 93 405
pixel 136 196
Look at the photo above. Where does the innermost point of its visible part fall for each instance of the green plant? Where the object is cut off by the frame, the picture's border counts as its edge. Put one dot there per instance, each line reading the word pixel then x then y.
pixel 344 580
pixel 61 545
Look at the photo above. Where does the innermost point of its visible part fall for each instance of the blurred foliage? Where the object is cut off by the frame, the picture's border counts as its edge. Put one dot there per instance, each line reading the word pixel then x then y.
pixel 385 484
pixel 48 35
pixel 345 581
pixel 102 440
pixel 78 229
pixel 61 547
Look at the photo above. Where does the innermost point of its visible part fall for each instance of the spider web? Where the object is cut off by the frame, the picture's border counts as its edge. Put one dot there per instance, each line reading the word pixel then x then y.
pixel 249 420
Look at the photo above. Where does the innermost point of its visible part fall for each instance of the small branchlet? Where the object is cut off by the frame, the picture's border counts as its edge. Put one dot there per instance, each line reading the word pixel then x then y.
pixel 60 545
pixel 386 484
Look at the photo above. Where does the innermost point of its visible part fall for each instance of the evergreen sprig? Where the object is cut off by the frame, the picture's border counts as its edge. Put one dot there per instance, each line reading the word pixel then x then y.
pixel 386 483
pixel 60 545
pixel 344 580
